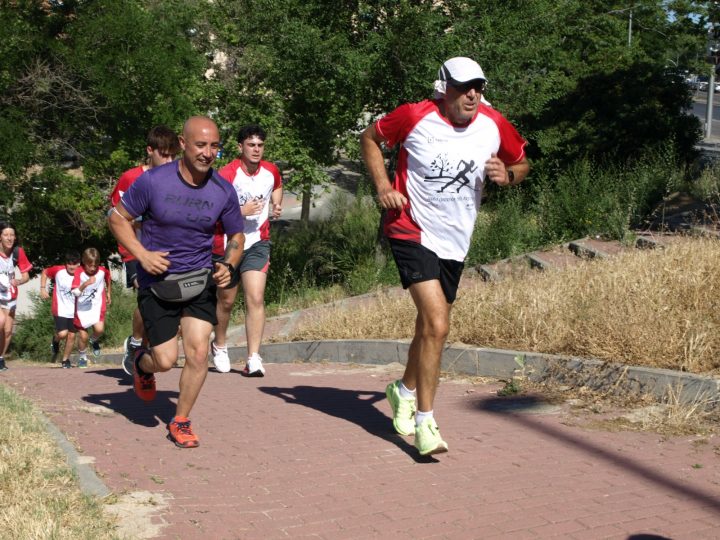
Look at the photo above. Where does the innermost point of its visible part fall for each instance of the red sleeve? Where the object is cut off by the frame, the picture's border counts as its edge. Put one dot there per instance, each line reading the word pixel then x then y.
pixel 277 176
pixel 229 170
pixel 52 271
pixel 23 264
pixel 512 145
pixel 76 278
pixel 108 277
pixel 124 182
pixel 397 125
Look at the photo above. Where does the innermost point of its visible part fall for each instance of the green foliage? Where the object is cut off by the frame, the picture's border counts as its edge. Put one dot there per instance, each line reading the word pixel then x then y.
pixel 34 333
pixel 584 199
pixel 72 217
pixel 504 228
pixel 588 199
pixel 118 318
pixel 341 250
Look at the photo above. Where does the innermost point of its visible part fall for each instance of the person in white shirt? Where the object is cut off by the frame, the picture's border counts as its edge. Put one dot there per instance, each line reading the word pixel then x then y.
pixel 449 147
pixel 258 184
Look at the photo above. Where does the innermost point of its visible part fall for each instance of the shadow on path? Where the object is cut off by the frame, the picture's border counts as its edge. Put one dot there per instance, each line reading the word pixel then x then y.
pixel 356 406
pixel 150 414
pixel 498 405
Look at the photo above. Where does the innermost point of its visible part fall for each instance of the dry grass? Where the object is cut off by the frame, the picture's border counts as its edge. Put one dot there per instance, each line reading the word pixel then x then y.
pixel 39 496
pixel 656 308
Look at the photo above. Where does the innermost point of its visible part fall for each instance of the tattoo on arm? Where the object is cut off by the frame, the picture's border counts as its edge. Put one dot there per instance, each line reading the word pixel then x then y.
pixel 231 245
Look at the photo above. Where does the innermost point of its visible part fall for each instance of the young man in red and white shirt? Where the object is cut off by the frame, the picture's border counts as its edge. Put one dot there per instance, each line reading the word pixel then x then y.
pixel 258 185
pixel 63 303
pixel 162 147
pixel 449 147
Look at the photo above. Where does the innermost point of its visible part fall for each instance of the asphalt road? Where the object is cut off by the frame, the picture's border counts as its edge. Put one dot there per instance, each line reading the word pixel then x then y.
pixel 700 107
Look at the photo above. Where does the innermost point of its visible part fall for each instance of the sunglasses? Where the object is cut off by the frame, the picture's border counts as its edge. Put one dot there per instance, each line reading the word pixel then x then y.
pixel 478 85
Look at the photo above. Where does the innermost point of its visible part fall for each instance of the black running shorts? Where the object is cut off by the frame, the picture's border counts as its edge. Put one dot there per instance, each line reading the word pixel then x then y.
pixel 417 263
pixel 64 323
pixel 162 319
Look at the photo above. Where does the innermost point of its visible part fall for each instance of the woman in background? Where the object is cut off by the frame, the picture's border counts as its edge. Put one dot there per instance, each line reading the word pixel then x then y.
pixel 12 256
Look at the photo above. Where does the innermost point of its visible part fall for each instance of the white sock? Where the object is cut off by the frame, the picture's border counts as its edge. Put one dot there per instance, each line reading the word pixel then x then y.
pixel 420 416
pixel 135 342
pixel 405 392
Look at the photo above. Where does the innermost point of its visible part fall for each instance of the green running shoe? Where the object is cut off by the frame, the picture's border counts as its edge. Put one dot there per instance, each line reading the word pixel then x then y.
pixel 403 409
pixel 428 440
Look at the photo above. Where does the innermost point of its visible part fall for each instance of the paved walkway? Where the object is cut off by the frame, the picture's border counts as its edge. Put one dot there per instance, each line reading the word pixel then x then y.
pixel 309 452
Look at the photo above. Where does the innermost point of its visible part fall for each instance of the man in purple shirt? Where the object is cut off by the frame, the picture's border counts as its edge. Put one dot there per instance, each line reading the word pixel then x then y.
pixel 180 203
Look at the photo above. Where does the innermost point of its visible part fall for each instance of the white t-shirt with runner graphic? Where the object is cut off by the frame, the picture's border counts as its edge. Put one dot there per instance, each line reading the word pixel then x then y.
pixel 441 171
pixel 91 305
pixel 63 301
pixel 256 186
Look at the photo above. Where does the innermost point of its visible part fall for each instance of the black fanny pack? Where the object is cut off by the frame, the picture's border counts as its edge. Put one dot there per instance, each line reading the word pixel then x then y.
pixel 181 287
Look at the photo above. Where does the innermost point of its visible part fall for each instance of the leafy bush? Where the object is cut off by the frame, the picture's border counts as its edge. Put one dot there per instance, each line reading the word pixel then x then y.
pixel 607 199
pixel 504 228
pixel 342 250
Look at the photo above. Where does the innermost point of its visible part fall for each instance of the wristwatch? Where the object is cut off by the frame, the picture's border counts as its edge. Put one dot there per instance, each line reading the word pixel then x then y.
pixel 229 266
pixel 511 176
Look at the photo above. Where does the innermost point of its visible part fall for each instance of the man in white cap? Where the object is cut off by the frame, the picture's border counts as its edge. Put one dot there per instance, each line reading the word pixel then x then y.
pixel 449 147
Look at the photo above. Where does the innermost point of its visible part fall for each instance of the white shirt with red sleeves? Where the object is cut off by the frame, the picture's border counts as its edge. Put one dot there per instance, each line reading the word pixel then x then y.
pixel 91 305
pixel 441 171
pixel 256 186
pixel 7 273
pixel 63 301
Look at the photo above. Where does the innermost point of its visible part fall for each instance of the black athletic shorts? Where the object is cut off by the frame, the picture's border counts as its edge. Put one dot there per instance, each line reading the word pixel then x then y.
pixel 256 257
pixel 130 273
pixel 64 323
pixel 417 263
pixel 162 319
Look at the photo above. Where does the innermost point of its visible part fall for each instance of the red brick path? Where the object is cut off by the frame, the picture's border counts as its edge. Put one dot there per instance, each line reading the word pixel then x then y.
pixel 308 452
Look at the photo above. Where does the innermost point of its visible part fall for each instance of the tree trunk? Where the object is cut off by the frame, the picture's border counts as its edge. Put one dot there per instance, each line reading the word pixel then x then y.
pixel 306 200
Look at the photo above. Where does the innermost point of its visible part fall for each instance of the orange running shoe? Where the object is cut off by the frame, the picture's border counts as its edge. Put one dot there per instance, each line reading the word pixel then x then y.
pixel 144 384
pixel 181 433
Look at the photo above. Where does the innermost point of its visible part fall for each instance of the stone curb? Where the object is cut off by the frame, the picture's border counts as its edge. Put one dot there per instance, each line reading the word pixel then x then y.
pixel 90 483
pixel 663 384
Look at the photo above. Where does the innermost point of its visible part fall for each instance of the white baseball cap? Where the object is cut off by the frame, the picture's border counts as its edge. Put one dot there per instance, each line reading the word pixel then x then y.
pixel 460 70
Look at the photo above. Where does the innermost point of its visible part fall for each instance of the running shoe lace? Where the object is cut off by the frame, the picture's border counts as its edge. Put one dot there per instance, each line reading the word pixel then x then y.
pixel 184 428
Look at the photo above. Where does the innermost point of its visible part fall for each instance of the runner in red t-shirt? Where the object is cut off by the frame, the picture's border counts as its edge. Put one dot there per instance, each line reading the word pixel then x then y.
pixel 162 147
pixel 449 147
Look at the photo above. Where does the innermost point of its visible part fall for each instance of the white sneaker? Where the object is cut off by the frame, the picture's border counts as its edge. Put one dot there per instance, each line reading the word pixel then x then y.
pixel 254 367
pixel 221 360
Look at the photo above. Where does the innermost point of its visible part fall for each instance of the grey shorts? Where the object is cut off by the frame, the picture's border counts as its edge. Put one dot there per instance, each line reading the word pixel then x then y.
pixel 256 257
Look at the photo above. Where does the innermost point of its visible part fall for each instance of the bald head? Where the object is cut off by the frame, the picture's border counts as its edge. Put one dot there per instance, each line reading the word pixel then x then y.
pixel 198 123
pixel 200 141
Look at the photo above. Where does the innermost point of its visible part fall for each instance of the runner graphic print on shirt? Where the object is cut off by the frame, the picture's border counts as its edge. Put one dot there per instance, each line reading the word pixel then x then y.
pixel 441 164
pixel 91 305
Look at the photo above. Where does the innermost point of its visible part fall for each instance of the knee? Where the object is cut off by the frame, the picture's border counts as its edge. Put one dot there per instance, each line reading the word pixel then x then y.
pixel 436 328
pixel 255 301
pixel 62 334
pixel 196 358
pixel 163 362
pixel 225 304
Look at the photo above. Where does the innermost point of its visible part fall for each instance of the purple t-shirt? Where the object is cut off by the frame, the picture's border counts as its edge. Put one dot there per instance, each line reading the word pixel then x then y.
pixel 180 218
